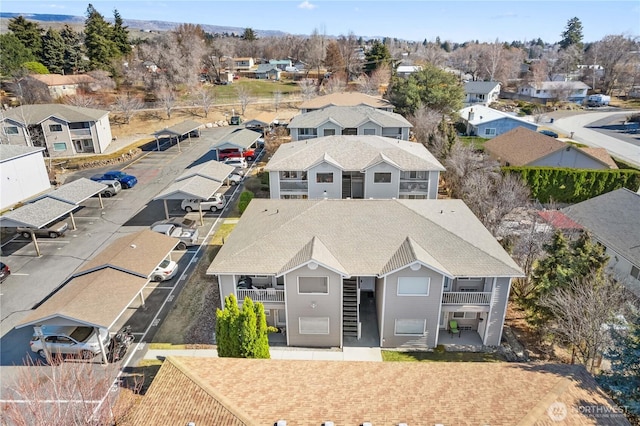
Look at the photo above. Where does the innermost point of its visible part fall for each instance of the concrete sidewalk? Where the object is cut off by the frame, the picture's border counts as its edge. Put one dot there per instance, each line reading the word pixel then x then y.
pixel 346 354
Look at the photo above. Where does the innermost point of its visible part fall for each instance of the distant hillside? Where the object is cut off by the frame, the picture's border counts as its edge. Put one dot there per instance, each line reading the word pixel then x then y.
pixel 47 20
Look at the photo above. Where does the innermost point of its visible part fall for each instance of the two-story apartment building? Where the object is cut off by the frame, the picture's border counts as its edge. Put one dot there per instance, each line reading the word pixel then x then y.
pixel 63 130
pixel 345 99
pixel 355 120
pixel 353 167
pixel 330 271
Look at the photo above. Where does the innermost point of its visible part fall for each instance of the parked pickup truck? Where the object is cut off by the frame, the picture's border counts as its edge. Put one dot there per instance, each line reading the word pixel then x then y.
pixel 127 181
pixel 187 237
pixel 213 204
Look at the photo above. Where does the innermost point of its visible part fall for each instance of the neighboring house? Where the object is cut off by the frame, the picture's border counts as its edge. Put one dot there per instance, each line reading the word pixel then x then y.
pixel 213 392
pixel 282 64
pixel 353 167
pixel 613 219
pixel 406 70
pixel 23 174
pixel 64 85
pixel 481 92
pixel 268 72
pixel 572 91
pixel 356 120
pixel 345 99
pixel 395 270
pixel 488 123
pixel 244 64
pixel 523 147
pixel 63 130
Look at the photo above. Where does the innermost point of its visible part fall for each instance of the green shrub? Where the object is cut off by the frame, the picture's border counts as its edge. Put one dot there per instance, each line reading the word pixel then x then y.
pixel 36 67
pixel 253 184
pixel 245 199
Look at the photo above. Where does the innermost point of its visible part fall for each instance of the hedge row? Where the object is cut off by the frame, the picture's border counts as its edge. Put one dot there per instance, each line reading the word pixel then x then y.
pixel 574 185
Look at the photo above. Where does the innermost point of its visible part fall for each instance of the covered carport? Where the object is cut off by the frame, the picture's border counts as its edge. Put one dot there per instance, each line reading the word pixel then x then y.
pixel 38 214
pixel 103 288
pixel 262 121
pixel 241 139
pixel 194 187
pixel 178 131
pixel 213 170
pixel 77 191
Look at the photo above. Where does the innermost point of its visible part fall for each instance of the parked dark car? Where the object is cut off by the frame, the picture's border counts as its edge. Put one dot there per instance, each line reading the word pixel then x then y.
pixel 127 181
pixel 549 133
pixel 4 272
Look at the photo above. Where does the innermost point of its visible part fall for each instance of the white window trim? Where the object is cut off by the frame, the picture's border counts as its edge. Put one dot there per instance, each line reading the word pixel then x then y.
pixel 382 183
pixel 424 327
pixel 300 319
pixel 489 131
pixel 414 294
pixel 313 294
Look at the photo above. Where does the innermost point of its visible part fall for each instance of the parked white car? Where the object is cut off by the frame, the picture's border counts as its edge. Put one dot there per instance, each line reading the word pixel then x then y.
pixel 166 270
pixel 70 340
pixel 234 179
pixel 239 163
pixel 113 187
pixel 215 203
pixel 187 237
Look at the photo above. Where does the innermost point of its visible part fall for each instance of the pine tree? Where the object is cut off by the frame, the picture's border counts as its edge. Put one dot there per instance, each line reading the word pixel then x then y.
pixel 249 35
pixel 29 33
pixel 74 51
pixel 227 324
pixel 242 333
pixel 13 54
pixel 101 48
pixel 53 48
pixel 120 34
pixel 572 35
pixel 376 57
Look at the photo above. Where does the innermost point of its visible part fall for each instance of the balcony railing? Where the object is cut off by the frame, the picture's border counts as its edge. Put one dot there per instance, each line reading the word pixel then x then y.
pixel 261 295
pixel 294 185
pixel 466 298
pixel 80 132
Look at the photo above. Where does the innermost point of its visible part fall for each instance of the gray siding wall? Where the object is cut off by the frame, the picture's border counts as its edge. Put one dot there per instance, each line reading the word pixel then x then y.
pixel 572 158
pixel 503 125
pixel 370 125
pixel 379 303
pixel 227 286
pixel 497 311
pixel 326 305
pixel 329 125
pixel 14 139
pixel 316 190
pixel 411 307
pixel 274 185
pixel 101 131
pixel 381 190
pixel 58 137
pixel 434 179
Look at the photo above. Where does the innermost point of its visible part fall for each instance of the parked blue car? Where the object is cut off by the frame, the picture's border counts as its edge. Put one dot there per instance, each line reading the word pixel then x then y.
pixel 127 181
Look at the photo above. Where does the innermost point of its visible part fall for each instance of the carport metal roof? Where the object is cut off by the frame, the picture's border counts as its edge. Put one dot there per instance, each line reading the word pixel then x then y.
pixel 189 188
pixel 105 286
pixel 211 170
pixel 241 138
pixel 263 119
pixel 37 214
pixel 179 129
pixel 77 191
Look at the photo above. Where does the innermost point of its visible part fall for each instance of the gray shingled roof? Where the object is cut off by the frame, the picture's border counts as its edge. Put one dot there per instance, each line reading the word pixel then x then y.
pixel 352 153
pixel 36 114
pixel 345 99
pixel 614 219
pixel 77 191
pixel 37 214
pixel 9 152
pixel 240 138
pixel 363 235
pixel 347 117
pixel 214 170
pixel 480 86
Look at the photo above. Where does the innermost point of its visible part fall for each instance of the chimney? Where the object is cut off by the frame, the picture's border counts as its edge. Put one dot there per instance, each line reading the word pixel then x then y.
pixel 471 114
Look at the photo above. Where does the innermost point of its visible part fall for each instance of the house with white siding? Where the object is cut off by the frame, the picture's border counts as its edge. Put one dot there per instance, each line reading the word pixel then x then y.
pixel 399 271
pixel 23 174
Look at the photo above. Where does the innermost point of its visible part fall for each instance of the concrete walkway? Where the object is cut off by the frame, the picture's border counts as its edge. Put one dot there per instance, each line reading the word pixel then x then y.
pixel 346 354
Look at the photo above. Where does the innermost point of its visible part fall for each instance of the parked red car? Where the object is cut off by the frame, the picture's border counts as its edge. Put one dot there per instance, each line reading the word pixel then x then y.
pixel 248 154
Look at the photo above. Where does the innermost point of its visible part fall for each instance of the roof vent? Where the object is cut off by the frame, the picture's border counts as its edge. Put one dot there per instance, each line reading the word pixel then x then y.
pixel 281 423
pixel 327 423
pixel 133 246
pixel 367 424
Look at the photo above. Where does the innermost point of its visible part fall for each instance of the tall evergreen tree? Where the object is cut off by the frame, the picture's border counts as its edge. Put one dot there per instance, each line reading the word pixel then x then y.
pixel 29 33
pixel 242 333
pixel 74 51
pixel 13 54
pixel 227 328
pixel 120 34
pixel 53 48
pixel 249 35
pixel 376 57
pixel 101 49
pixel 572 35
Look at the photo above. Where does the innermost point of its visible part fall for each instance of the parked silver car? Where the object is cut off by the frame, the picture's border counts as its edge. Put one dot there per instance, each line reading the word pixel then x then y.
pixel 53 231
pixel 187 236
pixel 69 340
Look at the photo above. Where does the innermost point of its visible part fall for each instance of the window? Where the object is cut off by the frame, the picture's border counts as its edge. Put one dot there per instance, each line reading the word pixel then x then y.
pixel 329 132
pixel 293 175
pixel 489 132
pixel 294 196
pixel 11 130
pixel 382 177
pixel 313 285
pixel 59 146
pixel 313 325
pixel 413 286
pixel 447 284
pixel 369 132
pixel 415 174
pixel 465 315
pixel 55 127
pixel 635 272
pixel 81 125
pixel 324 178
pixel 308 132
pixel 267 312
pixel 410 327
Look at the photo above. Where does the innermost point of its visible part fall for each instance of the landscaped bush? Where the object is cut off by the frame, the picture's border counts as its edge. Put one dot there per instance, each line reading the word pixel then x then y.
pixel 244 200
pixel 574 185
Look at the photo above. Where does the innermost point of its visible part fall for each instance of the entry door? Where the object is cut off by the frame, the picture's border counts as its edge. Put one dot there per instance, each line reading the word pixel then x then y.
pixel 281 317
pixel 357 186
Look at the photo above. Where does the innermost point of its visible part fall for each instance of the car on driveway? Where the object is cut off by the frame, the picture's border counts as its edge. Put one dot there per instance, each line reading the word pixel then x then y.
pixel 234 179
pixel 127 181
pixel 239 163
pixel 4 272
pixel 69 340
pixel 248 154
pixel 182 222
pixel 54 231
pixel 549 133
pixel 165 271
pixel 113 187
pixel 188 237
pixel 213 204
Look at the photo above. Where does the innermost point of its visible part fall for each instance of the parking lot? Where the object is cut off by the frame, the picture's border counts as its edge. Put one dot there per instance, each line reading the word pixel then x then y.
pixel 33 278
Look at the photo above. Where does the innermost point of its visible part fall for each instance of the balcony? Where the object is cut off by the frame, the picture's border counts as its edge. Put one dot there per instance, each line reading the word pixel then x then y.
pixel 466 298
pixel 262 295
pixel 75 133
pixel 287 185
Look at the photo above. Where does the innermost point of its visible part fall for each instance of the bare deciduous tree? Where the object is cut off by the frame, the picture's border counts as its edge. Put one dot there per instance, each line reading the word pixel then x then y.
pixel 308 88
pixel 244 98
pixel 335 84
pixel 204 97
pixel 127 105
pixel 425 122
pixel 277 99
pixel 168 98
pixel 582 312
pixel 615 54
pixel 81 100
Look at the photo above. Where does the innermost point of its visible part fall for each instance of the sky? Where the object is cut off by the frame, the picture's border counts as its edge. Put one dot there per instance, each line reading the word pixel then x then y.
pixel 453 20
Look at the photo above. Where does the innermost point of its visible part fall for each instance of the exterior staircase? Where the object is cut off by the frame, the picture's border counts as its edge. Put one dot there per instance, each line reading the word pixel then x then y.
pixel 350 307
pixel 346 187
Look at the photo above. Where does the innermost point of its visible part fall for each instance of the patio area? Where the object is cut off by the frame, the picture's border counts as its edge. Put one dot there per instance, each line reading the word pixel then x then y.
pixel 467 340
